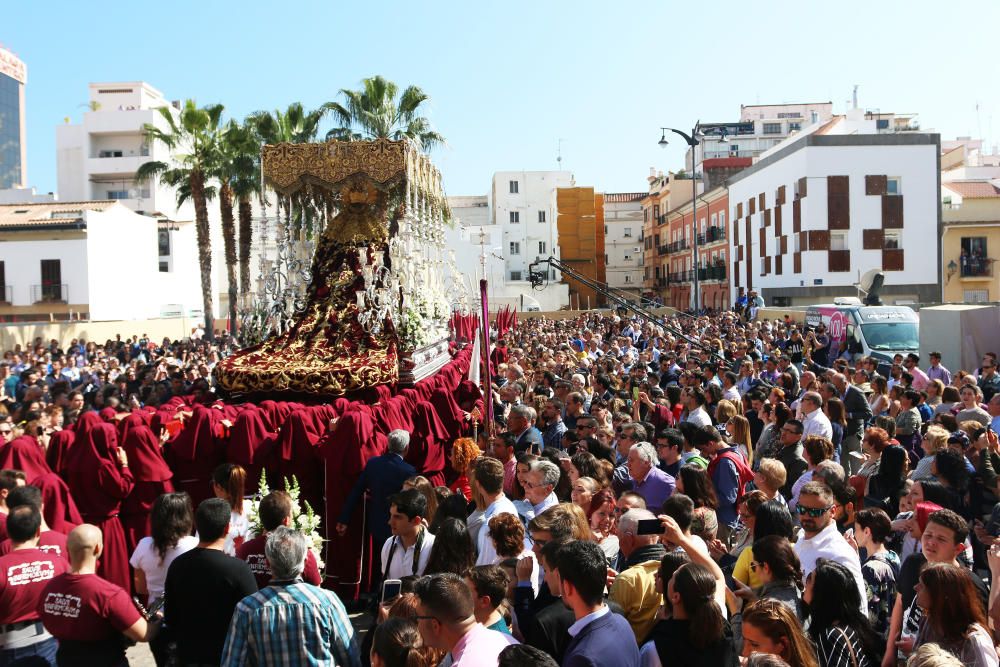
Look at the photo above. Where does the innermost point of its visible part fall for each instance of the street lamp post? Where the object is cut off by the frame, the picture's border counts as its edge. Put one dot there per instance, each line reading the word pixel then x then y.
pixel 692 141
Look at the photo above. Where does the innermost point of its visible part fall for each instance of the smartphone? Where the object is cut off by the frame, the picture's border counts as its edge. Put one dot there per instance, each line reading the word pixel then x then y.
pixel 390 589
pixel 649 527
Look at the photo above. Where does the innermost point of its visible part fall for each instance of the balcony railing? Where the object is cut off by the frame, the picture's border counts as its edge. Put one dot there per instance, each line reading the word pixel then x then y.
pixel 682 276
pixel 711 235
pixel 660 282
pixel 7 294
pixel 976 267
pixel 50 293
pixel 678 246
pixel 662 250
pixel 712 273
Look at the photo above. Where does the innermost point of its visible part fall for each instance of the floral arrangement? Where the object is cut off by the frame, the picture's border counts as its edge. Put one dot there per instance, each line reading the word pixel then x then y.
pixel 306 522
pixel 413 332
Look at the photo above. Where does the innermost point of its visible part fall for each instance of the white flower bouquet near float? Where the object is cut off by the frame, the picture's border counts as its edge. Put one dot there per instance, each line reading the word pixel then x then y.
pixel 306 522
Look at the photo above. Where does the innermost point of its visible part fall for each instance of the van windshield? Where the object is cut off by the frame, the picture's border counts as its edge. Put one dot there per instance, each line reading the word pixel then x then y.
pixel 893 336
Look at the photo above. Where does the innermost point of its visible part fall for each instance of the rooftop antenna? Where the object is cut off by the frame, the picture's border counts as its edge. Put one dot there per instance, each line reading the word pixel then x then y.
pixel 854 96
pixel 559 156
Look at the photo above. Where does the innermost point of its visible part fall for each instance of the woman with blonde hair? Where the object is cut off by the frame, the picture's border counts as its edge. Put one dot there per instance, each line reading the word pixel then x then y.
pixel 769 626
pixel 724 411
pixel 583 491
pixel 934 441
pixel 738 428
pixel 426 489
pixel 463 452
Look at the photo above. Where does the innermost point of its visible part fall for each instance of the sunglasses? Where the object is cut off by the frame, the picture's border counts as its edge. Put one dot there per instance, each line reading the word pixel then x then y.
pixel 814 512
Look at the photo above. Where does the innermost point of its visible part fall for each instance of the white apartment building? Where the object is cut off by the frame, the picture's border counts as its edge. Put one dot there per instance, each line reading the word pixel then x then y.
pixel 478 242
pixel 760 127
pixel 623 241
pixel 820 209
pixel 95 260
pixel 98 158
pixel 524 207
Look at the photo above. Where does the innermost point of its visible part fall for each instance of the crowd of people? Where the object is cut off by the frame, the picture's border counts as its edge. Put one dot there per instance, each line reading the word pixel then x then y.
pixel 722 491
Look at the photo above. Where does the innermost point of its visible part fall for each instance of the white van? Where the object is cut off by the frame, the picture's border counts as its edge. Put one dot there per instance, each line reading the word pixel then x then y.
pixel 871 331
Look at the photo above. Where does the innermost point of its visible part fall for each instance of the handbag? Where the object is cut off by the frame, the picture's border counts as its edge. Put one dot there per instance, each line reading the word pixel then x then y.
pixel 850 646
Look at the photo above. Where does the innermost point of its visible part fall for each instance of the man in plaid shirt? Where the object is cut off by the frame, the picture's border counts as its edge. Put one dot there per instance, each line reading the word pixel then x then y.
pixel 290 622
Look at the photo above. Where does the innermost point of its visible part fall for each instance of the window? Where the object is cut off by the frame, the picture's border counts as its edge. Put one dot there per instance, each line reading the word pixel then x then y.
pixel 51 287
pixel 605 230
pixel 892 186
pixel 163 242
pixel 772 128
pixel 715 219
pixel 794 127
pixel 109 154
pixel 797 245
pixel 734 149
pixel 117 194
pixel 515 217
pixel 838 241
pixel 164 267
pixel 515 275
pixel 628 278
pixel 65 215
pixel 892 239
pixel 628 257
pixel 541 248
pixel 627 232
pixel 513 187
pixel 976 296
pixel 541 216
pixel 974 258
pixel 882 124
pixel 722 218
pixel 515 248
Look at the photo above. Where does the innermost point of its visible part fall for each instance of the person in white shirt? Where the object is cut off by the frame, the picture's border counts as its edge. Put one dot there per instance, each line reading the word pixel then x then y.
pixel 820 537
pixel 814 422
pixel 539 490
pixel 407 551
pixel 489 480
pixel 171 520
pixel 693 399
pixel 729 390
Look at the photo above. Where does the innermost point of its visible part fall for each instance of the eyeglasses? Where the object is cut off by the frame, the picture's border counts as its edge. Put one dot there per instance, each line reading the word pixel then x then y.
pixel 814 512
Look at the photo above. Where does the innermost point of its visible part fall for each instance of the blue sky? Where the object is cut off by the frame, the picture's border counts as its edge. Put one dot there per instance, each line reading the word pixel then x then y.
pixel 509 79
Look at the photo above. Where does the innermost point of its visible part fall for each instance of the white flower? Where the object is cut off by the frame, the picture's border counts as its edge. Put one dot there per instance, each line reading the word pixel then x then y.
pixel 306 522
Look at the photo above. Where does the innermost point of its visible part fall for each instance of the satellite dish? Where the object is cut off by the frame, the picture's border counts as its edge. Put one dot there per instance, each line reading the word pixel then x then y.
pixel 871 284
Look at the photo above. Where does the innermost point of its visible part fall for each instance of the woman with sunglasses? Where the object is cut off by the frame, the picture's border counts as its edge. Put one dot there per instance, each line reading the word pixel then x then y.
pixel 839 629
pixel 771 627
pixel 777 566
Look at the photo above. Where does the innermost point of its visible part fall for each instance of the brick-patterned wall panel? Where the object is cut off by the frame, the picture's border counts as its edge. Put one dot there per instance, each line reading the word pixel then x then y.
pixel 892 212
pixel 751 206
pixel 839 261
pixel 797 262
pixel 780 199
pixel 777 221
pixel 838 185
pixel 818 239
pixel 736 272
pixel 838 211
pixel 767 266
pixel 763 242
pixel 767 217
pixel 783 245
pixel 872 239
pixel 892 259
pixel 777 265
pixel 797 216
pixel 739 210
pixel 760 201
pixel 875 185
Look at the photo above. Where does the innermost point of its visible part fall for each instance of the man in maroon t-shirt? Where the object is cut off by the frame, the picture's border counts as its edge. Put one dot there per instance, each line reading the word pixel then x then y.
pixel 24 573
pixel 9 480
pixel 87 614
pixel 50 541
pixel 275 510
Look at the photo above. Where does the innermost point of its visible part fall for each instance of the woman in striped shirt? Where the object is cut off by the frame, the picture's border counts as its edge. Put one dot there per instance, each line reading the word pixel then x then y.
pixel 842 634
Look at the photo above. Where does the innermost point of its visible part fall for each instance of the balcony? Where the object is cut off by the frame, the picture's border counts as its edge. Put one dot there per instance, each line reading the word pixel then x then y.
pixel 976 267
pixel 711 235
pixel 661 220
pixel 677 246
pixel 660 282
pixel 682 276
pixel 662 250
pixel 717 272
pixel 50 293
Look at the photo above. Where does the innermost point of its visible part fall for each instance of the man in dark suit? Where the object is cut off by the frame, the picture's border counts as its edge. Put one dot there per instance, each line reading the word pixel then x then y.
pixel 382 477
pixel 858 414
pixel 519 422
pixel 599 637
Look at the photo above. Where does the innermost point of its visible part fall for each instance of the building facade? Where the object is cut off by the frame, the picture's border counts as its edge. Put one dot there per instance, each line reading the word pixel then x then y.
pixel 819 210
pixel 580 229
pixel 623 241
pixel 63 261
pixel 971 216
pixel 477 245
pixel 13 128
pixel 680 265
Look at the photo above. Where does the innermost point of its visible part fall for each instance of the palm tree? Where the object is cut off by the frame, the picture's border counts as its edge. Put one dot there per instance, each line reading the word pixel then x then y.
pixel 192 138
pixel 375 112
pixel 295 125
pixel 245 183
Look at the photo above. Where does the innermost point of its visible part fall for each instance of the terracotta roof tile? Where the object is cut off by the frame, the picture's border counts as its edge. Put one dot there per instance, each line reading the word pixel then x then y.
pixel 623 197
pixel 973 189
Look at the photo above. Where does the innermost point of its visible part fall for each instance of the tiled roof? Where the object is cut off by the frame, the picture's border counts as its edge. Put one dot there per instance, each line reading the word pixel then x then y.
pixel 973 189
pixel 624 197
pixel 50 213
